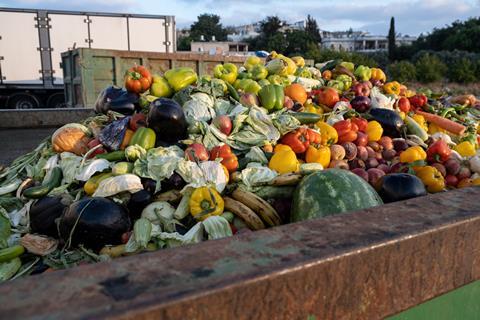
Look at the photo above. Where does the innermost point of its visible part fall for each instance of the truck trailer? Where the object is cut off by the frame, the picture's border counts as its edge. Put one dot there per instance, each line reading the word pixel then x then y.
pixel 31 43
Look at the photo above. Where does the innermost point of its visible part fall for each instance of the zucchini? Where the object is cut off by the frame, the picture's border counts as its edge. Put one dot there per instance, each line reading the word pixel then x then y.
pixel 414 128
pixel 38 192
pixel 233 92
pixel 122 168
pixel 10 253
pixel 307 117
pixel 9 269
pixel 142 231
pixel 112 156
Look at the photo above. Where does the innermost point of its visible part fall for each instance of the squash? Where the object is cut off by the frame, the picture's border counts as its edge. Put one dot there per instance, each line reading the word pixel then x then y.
pixel 72 138
pixel 331 192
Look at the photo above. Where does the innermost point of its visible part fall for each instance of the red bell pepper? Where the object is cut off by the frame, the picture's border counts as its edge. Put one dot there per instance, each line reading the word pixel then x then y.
pixel 314 137
pixel 298 140
pixel 361 124
pixel 229 159
pixel 418 101
pixel 347 131
pixel 438 151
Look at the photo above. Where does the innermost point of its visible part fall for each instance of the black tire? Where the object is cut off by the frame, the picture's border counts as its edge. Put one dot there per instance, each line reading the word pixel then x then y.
pixel 23 101
pixel 56 100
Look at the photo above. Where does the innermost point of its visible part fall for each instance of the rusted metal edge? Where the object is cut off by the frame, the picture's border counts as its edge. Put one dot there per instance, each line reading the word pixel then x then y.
pixel 364 265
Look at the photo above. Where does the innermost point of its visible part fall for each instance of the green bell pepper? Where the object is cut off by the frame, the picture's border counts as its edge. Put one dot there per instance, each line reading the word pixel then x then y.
pixel 227 72
pixel 264 82
pixel 259 72
pixel 363 73
pixel 180 78
pixel 247 85
pixel 160 87
pixel 144 137
pixel 347 81
pixel 272 97
pixel 349 65
pixel 244 75
pixel 336 84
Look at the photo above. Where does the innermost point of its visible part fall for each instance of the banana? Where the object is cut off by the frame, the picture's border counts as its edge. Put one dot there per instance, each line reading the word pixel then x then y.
pixel 244 212
pixel 258 205
pixel 287 179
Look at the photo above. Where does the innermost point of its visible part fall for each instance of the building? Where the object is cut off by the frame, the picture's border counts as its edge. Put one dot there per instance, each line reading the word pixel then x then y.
pixel 360 41
pixel 219 47
pixel 244 32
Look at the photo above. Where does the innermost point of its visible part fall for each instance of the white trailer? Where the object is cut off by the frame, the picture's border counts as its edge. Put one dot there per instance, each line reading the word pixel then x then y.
pixel 31 43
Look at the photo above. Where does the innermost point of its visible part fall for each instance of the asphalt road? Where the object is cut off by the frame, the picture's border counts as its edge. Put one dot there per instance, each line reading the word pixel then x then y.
pixel 16 142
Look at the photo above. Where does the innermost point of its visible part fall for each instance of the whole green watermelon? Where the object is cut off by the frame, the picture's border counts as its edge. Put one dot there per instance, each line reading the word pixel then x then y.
pixel 331 192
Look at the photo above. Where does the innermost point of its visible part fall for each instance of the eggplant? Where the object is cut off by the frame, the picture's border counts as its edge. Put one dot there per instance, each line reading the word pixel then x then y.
pixel 391 122
pixel 94 222
pixel 43 214
pixel 174 182
pixel 116 99
pixel 167 119
pixel 138 201
pixel 400 186
pixel 149 185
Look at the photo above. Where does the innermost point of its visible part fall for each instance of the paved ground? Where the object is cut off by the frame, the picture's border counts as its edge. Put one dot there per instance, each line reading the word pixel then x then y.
pixel 15 142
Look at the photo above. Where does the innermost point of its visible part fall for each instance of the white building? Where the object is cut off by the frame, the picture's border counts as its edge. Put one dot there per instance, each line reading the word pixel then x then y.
pixel 360 41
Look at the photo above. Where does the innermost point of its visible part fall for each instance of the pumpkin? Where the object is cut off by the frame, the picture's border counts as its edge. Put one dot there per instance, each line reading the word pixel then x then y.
pixel 296 92
pixel 71 138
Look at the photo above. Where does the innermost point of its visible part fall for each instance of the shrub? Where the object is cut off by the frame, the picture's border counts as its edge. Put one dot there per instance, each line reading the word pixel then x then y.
pixel 462 71
pixel 402 71
pixel 430 68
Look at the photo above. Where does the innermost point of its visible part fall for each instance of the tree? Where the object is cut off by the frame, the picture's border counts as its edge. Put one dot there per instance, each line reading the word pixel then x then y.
pixel 391 40
pixel 208 25
pixel 270 25
pixel 311 28
pixel 299 42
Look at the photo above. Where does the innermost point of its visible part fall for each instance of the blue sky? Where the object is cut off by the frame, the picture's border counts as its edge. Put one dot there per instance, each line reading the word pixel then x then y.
pixel 412 16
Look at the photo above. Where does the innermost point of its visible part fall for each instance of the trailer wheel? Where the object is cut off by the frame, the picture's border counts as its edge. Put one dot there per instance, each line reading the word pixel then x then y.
pixel 23 101
pixel 56 100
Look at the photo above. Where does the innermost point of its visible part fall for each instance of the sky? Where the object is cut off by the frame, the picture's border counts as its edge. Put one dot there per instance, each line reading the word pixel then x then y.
pixel 412 17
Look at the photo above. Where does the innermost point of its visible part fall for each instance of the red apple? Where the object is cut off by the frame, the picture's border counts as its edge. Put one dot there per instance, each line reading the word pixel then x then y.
pixel 197 151
pixel 403 104
pixel 328 97
pixel 223 123
pixel 362 139
pixel 249 100
pixel 361 89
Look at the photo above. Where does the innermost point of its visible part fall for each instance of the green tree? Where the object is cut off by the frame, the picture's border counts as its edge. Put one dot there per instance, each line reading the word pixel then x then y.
pixel 299 42
pixel 402 71
pixel 430 68
pixel 271 25
pixel 462 71
pixel 311 28
pixel 208 25
pixel 391 40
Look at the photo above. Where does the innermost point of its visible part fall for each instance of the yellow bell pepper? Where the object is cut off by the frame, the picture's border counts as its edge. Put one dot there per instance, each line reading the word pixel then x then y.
pixel 410 93
pixel 281 147
pixel 299 61
pixel 312 108
pixel 433 128
pixel 205 202
pixel 392 87
pixel 321 155
pixel 421 121
pixel 284 161
pixel 328 133
pixel 227 174
pixel 378 74
pixel 413 154
pixel 402 115
pixel 374 130
pixel 431 178
pixel 465 149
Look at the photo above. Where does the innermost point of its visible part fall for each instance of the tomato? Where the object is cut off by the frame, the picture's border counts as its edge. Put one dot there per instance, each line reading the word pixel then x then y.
pixel 354 127
pixel 137 120
pixel 138 79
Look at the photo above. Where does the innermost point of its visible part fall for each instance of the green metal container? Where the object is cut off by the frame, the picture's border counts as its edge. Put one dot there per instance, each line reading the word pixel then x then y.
pixel 87 71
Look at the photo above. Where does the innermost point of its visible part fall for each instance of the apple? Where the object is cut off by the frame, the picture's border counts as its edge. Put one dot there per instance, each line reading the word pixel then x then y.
pixel 361 103
pixel 328 97
pixel 288 103
pixel 197 151
pixel 361 89
pixel 223 123
pixel 249 100
pixel 362 139
pixel 403 104
pixel 368 84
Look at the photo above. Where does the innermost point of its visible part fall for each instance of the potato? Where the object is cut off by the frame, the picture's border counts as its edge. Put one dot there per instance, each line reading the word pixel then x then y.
pixel 337 151
pixel 362 153
pixel 350 150
pixel 374 174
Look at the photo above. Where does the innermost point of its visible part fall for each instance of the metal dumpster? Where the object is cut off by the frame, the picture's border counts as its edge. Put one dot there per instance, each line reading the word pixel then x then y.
pixel 86 72
pixel 367 264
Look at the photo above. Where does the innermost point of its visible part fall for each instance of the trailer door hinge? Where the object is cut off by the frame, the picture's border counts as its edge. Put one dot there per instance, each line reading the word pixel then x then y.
pixel 166 24
pixel 44 49
pixel 87 20
pixel 89 40
pixel 2 58
pixel 167 43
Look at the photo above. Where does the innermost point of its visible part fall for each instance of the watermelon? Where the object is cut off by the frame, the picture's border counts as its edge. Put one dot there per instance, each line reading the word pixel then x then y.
pixel 331 192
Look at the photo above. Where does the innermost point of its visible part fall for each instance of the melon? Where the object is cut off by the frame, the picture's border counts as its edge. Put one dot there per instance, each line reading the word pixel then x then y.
pixel 331 192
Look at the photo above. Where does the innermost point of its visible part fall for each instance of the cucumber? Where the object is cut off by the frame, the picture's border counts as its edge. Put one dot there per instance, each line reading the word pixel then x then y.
pixel 46 187
pixel 307 117
pixel 10 253
pixel 122 168
pixel 142 231
pixel 112 156
pixel 414 128
pixel 233 92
